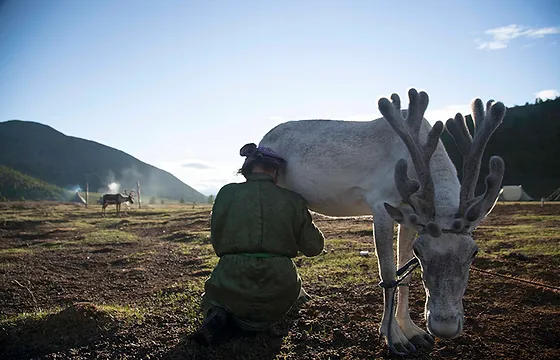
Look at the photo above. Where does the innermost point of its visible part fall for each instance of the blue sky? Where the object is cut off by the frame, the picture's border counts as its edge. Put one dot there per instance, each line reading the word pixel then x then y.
pixel 182 85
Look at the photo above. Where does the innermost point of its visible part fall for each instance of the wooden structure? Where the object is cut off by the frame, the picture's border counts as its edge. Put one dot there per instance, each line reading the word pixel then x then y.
pixel 138 193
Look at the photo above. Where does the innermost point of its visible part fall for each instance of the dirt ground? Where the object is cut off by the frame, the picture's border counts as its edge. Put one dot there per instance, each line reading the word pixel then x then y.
pixel 74 285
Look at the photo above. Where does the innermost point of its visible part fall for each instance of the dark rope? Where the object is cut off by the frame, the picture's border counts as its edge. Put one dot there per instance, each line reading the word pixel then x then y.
pixel 534 283
pixel 402 273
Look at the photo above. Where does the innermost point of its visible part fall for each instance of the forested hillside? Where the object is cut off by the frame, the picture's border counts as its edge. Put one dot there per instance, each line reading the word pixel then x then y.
pixel 17 186
pixel 529 142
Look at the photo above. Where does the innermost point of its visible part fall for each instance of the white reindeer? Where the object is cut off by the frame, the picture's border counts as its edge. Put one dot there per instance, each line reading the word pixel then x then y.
pixel 345 168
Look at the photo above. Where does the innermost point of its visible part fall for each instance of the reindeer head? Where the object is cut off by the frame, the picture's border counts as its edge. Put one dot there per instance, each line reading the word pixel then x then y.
pixel 444 247
pixel 131 197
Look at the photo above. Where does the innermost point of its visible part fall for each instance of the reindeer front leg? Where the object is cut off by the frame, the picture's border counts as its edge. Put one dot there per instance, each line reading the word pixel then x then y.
pixel 413 333
pixel 394 337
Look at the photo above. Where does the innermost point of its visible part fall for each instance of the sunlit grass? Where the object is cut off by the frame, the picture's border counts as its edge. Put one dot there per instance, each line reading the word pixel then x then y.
pixel 108 237
pixel 341 263
pixel 16 251
pixel 121 313
pixel 71 226
pixel 182 300
pixel 203 252
pixel 139 256
pixel 10 320
pixel 536 218
pixel 124 314
pixel 529 239
pixel 95 237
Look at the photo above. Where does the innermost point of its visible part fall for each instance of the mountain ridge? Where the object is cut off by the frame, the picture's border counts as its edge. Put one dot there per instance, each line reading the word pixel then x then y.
pixel 41 151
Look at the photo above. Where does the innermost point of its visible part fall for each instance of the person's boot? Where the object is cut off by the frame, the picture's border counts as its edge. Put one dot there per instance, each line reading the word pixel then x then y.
pixel 275 332
pixel 212 327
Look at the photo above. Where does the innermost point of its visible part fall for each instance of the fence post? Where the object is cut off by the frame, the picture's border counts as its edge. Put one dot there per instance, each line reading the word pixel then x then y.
pixel 87 194
pixel 138 192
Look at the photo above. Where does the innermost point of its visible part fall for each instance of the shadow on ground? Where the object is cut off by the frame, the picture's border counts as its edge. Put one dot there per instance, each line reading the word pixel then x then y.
pixel 75 326
pixel 246 346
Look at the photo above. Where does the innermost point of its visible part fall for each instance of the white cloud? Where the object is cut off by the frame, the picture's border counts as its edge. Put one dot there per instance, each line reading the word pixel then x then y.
pixel 547 94
pixel 492 45
pixel 539 33
pixel 197 164
pixel 501 36
pixel 204 177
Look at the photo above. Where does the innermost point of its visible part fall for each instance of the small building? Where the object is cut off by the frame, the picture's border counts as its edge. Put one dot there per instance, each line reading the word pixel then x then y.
pixel 79 199
pixel 514 193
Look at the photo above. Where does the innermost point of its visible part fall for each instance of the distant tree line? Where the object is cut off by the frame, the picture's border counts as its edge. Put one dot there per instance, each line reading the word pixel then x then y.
pixel 529 142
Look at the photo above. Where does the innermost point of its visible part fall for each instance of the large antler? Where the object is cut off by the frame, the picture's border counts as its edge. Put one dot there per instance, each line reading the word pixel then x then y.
pixel 473 208
pixel 419 194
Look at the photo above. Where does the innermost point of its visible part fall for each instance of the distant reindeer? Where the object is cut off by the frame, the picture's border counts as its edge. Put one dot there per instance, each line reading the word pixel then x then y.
pixel 117 200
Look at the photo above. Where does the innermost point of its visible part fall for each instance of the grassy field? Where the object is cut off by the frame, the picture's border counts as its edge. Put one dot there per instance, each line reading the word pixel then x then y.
pixel 76 285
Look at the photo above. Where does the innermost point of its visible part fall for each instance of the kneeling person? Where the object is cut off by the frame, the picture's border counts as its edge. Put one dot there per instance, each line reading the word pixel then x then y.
pixel 257 228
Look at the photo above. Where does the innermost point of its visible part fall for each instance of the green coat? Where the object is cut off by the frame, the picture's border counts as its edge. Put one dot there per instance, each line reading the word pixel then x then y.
pixel 257 227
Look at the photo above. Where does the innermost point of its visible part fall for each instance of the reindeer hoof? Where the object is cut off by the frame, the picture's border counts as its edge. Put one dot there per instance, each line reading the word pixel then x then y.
pixel 401 349
pixel 398 344
pixel 426 342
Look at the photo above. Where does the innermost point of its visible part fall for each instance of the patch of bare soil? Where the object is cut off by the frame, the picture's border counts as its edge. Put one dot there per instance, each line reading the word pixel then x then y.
pixel 120 273
pixel 504 319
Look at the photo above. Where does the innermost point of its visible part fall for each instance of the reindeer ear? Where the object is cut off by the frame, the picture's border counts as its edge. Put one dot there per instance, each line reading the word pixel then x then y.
pixel 394 213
